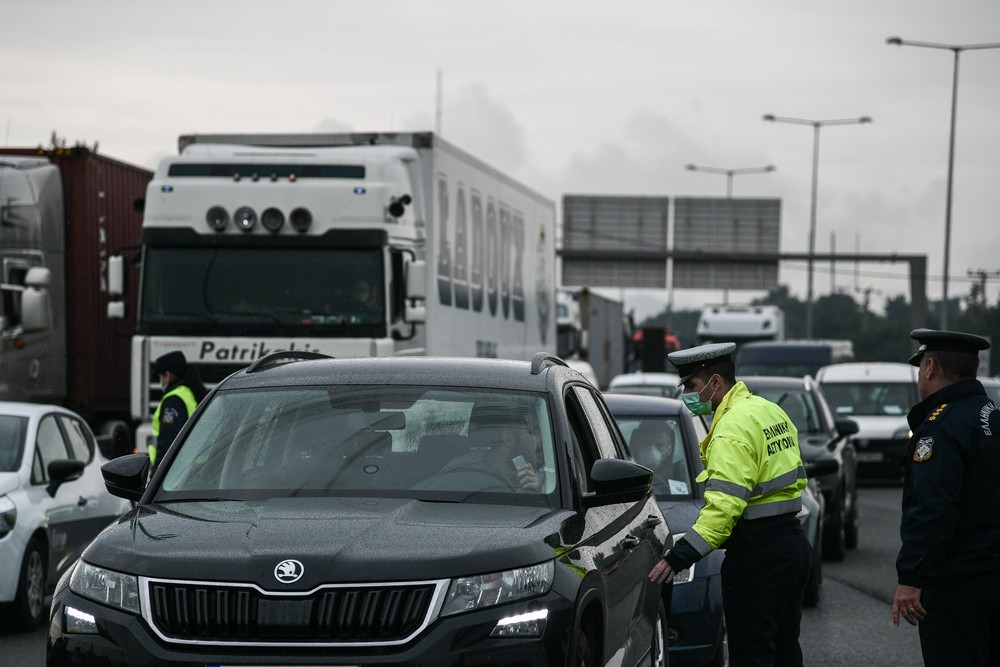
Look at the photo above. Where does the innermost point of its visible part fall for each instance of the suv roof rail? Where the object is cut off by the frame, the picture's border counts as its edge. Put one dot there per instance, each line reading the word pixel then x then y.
pixel 543 360
pixel 289 355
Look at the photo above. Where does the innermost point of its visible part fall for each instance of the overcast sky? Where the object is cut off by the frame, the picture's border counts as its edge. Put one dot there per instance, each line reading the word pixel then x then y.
pixel 570 97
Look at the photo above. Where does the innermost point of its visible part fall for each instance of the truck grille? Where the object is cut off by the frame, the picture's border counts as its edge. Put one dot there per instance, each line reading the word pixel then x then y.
pixel 381 614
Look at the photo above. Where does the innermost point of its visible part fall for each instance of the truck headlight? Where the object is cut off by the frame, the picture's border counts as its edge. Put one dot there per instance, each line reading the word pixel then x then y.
pixel 486 590
pixel 108 587
pixel 8 515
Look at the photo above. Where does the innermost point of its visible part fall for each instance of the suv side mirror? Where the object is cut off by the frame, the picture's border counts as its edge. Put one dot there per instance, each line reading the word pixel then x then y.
pixel 125 476
pixel 618 481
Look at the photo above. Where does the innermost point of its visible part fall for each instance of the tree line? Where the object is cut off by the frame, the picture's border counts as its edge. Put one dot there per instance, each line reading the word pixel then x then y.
pixel 876 337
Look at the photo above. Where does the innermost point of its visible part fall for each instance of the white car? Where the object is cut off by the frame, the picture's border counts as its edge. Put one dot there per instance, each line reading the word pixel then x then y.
pixel 53 502
pixel 666 385
pixel 877 396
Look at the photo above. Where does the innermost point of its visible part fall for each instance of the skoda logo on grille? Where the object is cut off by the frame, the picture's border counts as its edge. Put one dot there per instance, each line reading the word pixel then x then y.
pixel 288 571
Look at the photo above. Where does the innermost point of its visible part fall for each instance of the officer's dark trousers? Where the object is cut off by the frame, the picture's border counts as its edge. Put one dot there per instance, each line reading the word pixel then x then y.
pixel 764 577
pixel 963 622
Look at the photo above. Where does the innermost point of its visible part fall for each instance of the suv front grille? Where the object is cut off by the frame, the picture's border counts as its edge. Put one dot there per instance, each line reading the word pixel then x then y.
pixel 221 613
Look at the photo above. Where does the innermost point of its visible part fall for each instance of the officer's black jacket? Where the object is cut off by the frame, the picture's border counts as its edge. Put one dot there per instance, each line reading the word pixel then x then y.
pixel 951 490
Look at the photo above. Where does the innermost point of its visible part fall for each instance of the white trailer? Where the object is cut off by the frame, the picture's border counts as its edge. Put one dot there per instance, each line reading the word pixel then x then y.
pixel 256 243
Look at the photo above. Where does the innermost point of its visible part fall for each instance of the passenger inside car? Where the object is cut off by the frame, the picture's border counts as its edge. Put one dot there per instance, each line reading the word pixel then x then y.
pixel 652 445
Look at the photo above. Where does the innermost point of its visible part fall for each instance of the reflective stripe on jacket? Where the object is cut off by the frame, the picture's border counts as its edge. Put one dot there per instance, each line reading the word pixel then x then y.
pixel 753 469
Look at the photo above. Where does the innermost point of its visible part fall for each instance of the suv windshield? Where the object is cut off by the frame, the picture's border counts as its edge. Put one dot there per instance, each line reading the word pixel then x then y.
pixel 411 442
pixel 871 398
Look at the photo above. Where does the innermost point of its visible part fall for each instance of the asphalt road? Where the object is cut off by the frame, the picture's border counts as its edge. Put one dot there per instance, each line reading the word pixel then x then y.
pixel 851 625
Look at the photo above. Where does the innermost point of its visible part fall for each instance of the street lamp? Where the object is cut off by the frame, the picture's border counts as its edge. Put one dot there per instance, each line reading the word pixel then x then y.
pixel 816 124
pixel 956 49
pixel 730 173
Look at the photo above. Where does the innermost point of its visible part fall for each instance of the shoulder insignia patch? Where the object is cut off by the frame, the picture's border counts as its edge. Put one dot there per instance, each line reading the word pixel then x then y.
pixel 937 412
pixel 924 449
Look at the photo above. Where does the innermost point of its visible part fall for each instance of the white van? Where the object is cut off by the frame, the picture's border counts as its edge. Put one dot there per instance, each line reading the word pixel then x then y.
pixel 877 396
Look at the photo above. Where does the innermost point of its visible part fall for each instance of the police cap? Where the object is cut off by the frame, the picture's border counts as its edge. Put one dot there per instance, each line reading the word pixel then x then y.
pixel 932 340
pixel 171 361
pixel 693 359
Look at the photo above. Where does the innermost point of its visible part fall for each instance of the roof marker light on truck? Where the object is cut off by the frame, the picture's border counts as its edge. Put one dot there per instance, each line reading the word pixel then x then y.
pixel 301 219
pixel 272 219
pixel 245 218
pixel 217 218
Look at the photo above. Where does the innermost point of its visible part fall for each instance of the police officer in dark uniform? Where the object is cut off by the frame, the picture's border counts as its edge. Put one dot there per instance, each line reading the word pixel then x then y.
pixel 949 564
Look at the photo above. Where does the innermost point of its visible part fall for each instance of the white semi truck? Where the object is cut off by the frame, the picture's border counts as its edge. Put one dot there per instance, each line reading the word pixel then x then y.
pixel 257 243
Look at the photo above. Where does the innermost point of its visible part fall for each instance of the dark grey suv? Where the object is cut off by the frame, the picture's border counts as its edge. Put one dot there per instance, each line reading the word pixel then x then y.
pixel 378 511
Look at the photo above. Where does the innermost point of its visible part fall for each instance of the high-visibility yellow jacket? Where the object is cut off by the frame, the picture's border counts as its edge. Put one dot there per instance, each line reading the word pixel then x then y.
pixel 184 393
pixel 753 469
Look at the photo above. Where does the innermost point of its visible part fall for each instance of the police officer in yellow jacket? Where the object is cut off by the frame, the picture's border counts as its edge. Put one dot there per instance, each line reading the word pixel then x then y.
pixel 753 480
pixel 180 398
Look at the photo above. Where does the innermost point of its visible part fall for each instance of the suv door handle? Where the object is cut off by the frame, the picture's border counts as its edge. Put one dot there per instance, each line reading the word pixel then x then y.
pixel 630 542
pixel 653 520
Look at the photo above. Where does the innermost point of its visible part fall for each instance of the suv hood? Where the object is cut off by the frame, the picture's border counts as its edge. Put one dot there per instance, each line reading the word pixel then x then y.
pixel 336 540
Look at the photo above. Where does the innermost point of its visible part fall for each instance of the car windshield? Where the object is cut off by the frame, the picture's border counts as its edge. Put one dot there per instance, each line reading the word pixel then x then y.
pixel 658 444
pixel 871 398
pixel 441 444
pixel 12 431
pixel 798 404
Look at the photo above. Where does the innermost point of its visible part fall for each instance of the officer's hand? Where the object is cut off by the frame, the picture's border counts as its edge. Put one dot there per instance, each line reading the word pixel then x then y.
pixel 662 572
pixel 907 604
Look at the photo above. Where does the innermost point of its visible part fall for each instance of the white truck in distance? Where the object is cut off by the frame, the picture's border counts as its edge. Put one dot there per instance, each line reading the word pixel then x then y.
pixel 257 243
pixel 740 324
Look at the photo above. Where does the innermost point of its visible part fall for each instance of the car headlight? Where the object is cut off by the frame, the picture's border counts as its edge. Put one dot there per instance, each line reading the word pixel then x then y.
pixel 8 515
pixel 902 433
pixel 486 590
pixel 108 587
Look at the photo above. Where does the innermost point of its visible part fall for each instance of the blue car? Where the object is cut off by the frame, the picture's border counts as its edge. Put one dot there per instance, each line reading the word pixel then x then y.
pixel 664 436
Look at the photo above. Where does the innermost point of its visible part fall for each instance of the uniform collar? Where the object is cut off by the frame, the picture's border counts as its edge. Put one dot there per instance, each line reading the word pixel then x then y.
pixel 952 392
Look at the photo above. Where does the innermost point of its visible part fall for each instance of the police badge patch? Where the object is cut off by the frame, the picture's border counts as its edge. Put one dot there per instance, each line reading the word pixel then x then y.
pixel 924 449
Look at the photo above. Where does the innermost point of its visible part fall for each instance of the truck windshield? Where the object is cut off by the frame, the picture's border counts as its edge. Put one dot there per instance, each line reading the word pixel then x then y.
pixel 234 291
pixel 438 444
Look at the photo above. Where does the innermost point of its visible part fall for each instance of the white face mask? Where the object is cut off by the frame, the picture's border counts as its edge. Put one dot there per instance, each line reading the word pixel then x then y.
pixel 649 456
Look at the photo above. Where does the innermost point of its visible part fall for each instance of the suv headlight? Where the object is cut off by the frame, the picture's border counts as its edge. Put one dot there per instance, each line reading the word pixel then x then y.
pixel 902 433
pixel 8 515
pixel 486 590
pixel 108 587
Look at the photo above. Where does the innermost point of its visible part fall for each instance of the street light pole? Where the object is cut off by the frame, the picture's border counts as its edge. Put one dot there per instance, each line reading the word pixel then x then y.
pixel 730 173
pixel 816 125
pixel 956 49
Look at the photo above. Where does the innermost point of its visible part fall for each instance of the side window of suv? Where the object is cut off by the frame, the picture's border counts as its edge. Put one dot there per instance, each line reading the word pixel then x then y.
pixel 583 450
pixel 607 444
pixel 49 446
